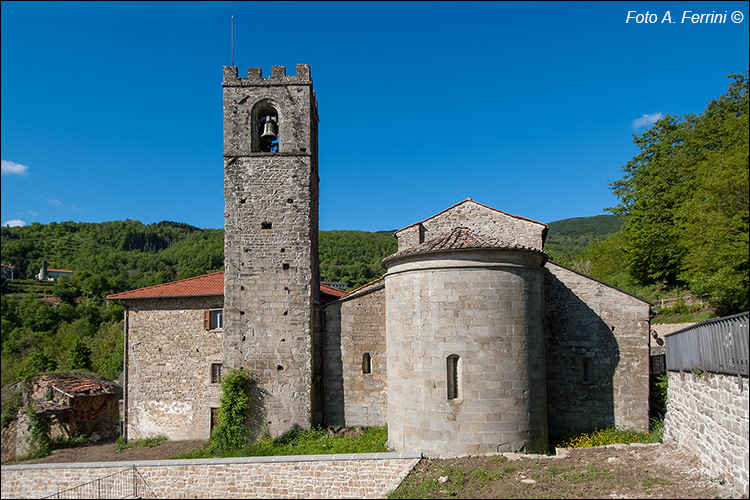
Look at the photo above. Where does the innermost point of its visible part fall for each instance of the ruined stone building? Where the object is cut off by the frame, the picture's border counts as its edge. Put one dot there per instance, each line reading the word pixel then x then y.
pixel 472 342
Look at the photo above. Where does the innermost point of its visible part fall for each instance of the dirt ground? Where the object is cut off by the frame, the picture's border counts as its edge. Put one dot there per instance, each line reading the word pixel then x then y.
pixel 646 471
pixel 650 471
pixel 104 451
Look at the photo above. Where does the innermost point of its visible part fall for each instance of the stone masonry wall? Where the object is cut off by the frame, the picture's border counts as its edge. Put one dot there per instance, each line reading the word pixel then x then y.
pixel 597 354
pixel 270 243
pixel 356 326
pixel 334 476
pixel 169 391
pixel 708 416
pixel 479 219
pixel 485 307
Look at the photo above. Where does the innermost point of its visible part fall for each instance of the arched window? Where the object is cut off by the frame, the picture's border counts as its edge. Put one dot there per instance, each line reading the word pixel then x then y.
pixel 366 363
pixel 453 370
pixel 265 123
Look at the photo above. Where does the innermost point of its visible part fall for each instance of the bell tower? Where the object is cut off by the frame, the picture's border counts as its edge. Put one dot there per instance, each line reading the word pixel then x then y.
pixel 271 240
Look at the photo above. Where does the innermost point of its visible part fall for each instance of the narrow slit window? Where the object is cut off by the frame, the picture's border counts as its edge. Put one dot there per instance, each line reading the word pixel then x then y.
pixel 366 363
pixel 586 371
pixel 453 374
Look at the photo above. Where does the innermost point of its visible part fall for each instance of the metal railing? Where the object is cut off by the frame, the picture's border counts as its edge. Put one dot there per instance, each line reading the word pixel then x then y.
pixel 127 483
pixel 718 345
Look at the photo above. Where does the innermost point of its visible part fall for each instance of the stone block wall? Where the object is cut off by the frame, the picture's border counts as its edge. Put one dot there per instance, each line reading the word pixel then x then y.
pixel 485 307
pixel 597 354
pixel 271 242
pixel 478 218
pixel 356 326
pixel 707 415
pixel 332 476
pixel 169 391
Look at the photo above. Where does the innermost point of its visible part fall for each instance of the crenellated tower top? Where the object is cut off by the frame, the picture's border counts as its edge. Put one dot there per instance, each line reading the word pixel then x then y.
pixel 278 77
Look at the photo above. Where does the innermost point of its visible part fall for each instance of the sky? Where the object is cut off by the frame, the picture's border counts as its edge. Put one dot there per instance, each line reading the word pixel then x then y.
pixel 113 110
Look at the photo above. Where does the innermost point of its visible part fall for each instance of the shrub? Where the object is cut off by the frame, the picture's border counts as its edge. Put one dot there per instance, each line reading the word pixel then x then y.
pixel 232 432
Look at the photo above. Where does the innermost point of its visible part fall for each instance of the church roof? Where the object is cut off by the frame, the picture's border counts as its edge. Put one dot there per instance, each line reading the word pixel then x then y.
pixel 459 238
pixel 469 200
pixel 197 286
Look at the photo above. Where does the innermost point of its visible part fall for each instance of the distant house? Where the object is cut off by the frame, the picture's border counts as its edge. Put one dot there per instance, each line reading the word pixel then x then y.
pixel 334 284
pixel 75 403
pixel 49 274
pixel 53 301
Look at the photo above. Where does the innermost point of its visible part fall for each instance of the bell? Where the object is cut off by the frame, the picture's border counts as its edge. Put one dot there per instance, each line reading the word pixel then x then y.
pixel 269 130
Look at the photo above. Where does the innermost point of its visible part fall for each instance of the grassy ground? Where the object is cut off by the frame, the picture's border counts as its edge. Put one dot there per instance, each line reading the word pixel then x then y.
pixel 317 441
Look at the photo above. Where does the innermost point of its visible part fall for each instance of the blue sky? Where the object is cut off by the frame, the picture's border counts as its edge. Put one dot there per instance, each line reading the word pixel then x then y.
pixel 113 111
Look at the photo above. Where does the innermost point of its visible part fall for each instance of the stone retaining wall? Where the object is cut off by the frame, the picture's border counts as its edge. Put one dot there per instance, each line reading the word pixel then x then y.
pixel 707 415
pixel 365 475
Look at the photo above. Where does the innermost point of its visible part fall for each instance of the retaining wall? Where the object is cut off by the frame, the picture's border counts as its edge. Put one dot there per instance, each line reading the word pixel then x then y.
pixel 707 415
pixel 365 475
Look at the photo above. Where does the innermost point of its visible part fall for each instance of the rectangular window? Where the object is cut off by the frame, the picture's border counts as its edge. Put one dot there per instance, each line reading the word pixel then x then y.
pixel 216 373
pixel 215 319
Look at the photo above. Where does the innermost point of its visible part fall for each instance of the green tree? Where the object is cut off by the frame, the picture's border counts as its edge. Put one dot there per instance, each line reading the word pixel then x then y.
pixel 36 363
pixel 80 356
pixel 685 201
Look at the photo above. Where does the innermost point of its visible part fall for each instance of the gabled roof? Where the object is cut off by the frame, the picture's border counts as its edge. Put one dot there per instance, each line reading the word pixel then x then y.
pixel 459 238
pixel 469 200
pixel 206 284
pixel 197 286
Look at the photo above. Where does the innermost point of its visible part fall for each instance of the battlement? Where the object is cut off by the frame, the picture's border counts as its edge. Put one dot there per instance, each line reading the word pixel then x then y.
pixel 278 77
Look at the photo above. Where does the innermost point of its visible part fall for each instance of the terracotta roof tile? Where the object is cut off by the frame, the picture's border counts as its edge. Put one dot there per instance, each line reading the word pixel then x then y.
pixel 329 290
pixel 60 270
pixel 206 284
pixel 457 239
pixel 79 384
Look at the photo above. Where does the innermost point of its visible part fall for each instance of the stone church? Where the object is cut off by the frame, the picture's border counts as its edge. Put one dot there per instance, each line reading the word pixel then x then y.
pixel 473 342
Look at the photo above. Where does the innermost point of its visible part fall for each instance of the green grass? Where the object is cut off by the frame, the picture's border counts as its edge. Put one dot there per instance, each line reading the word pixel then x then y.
pixel 316 441
pixel 654 481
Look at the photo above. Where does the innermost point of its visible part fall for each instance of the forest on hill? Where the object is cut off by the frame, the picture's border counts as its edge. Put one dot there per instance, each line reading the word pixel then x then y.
pixel 681 227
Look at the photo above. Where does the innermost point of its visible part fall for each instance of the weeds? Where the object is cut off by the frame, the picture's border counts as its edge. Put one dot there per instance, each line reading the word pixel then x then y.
pixel 611 435
pixel 653 481
pixel 298 441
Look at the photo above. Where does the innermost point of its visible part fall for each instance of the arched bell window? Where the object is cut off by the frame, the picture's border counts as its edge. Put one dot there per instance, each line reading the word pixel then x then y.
pixel 265 134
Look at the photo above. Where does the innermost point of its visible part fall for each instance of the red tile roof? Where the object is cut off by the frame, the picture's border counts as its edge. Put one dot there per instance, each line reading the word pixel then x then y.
pixel 360 288
pixel 60 270
pixel 329 290
pixel 206 284
pixel 467 200
pixel 79 384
